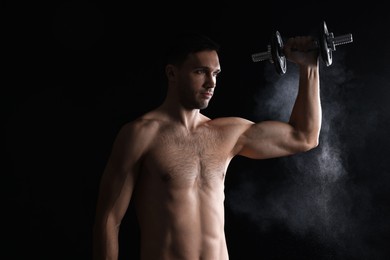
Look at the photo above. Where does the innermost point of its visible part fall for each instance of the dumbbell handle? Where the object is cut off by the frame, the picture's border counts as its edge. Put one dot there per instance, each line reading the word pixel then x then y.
pixel 339 40
pixel 332 43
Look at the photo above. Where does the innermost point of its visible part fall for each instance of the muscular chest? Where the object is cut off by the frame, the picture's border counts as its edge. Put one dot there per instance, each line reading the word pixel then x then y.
pixel 184 158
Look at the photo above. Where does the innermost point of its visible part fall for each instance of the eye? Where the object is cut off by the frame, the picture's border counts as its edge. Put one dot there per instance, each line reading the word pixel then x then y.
pixel 200 71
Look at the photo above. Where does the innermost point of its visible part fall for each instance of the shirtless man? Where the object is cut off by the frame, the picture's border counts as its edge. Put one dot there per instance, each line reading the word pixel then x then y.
pixel 172 161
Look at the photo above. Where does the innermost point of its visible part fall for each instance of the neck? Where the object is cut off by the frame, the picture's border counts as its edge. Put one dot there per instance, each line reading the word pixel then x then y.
pixel 189 118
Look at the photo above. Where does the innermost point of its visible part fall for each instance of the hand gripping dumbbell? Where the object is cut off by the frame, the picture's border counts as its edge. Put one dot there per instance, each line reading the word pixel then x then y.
pixel 326 44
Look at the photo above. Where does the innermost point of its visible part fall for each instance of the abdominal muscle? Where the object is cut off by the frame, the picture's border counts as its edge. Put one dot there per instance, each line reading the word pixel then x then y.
pixel 181 218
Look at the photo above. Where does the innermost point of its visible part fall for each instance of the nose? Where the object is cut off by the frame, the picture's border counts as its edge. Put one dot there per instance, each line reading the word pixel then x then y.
pixel 211 81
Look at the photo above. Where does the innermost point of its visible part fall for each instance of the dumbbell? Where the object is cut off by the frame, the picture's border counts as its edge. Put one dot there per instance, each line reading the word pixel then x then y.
pixel 326 44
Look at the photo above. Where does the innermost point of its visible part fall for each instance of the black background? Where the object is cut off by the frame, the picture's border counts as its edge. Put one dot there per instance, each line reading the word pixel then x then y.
pixel 74 72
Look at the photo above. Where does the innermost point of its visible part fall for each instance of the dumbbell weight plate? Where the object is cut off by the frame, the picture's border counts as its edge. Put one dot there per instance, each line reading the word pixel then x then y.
pixel 326 52
pixel 278 58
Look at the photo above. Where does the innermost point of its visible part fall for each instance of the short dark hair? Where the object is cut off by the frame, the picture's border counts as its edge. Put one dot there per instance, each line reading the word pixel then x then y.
pixel 185 43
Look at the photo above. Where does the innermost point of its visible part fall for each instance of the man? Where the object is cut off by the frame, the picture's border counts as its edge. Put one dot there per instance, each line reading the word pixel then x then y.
pixel 171 162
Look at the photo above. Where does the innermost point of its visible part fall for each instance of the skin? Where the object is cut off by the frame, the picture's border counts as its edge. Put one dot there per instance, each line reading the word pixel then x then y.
pixel 172 161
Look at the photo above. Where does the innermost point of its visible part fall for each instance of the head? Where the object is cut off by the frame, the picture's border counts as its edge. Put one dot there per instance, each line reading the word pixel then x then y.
pixel 192 66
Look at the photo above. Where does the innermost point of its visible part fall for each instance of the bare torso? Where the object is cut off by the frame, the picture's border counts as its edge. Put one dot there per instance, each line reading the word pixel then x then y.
pixel 179 195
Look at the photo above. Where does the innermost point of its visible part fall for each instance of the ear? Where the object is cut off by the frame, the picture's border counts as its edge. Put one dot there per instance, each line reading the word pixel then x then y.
pixel 170 71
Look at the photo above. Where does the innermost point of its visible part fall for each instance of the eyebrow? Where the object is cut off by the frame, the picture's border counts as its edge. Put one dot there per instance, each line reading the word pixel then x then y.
pixel 207 68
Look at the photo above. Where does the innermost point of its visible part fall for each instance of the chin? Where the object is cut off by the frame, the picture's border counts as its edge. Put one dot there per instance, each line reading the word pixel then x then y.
pixel 203 106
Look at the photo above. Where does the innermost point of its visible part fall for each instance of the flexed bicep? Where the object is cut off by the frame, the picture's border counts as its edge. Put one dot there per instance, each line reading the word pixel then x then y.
pixel 270 139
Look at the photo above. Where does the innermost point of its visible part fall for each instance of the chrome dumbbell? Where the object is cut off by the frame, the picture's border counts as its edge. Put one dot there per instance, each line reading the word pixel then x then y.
pixel 326 44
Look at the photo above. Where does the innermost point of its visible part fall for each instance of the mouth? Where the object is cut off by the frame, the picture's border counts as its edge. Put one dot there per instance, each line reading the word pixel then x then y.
pixel 207 95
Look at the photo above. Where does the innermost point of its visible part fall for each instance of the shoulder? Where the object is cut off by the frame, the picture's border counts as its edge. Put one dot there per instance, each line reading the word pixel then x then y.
pixel 230 122
pixel 230 127
pixel 137 135
pixel 143 125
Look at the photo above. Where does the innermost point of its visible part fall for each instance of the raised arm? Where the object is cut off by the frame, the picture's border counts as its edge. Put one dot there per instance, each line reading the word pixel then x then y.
pixel 274 139
pixel 116 188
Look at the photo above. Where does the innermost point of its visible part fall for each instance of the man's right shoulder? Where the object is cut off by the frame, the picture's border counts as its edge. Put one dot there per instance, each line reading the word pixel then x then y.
pixel 136 136
pixel 144 124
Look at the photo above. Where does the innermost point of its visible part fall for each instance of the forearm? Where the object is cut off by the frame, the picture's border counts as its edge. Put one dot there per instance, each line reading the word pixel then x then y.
pixel 105 243
pixel 306 115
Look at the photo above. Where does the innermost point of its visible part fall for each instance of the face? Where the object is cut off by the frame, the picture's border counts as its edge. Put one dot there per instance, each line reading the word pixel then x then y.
pixel 197 79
